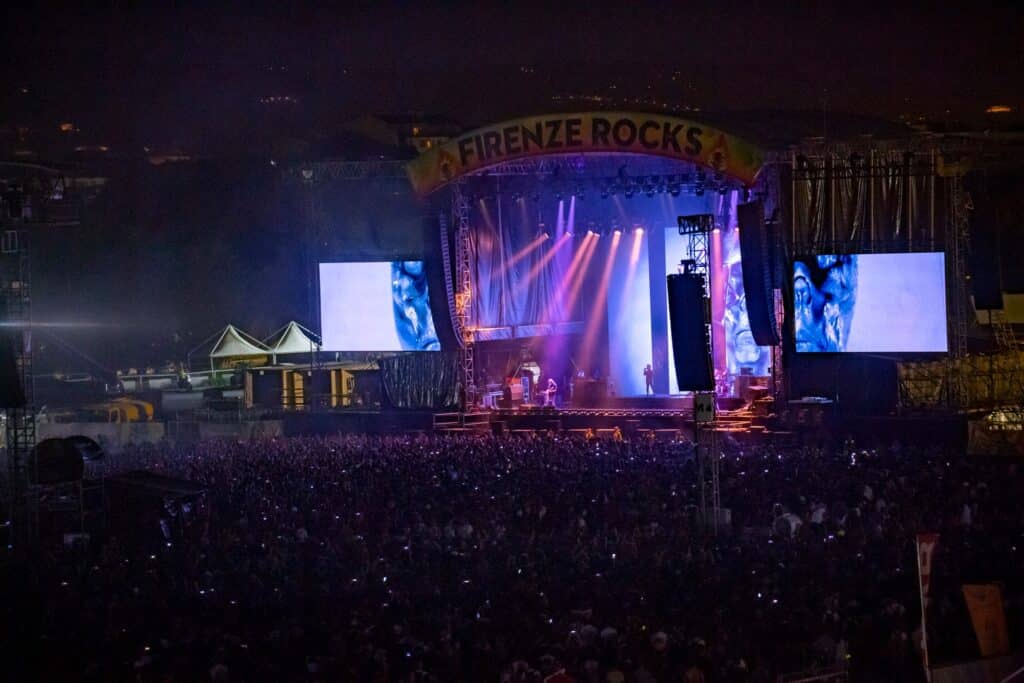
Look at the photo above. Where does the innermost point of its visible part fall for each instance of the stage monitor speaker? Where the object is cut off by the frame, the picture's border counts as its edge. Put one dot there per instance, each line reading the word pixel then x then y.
pixel 11 393
pixel 691 349
pixel 757 249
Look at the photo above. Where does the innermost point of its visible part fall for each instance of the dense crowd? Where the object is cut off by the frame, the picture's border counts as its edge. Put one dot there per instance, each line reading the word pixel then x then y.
pixel 510 559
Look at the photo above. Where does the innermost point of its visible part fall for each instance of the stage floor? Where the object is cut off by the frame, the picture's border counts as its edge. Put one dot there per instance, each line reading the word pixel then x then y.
pixel 681 403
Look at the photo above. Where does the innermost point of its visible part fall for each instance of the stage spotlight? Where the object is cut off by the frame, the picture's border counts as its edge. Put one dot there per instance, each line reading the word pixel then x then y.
pixel 674 190
pixel 723 190
pixel 558 196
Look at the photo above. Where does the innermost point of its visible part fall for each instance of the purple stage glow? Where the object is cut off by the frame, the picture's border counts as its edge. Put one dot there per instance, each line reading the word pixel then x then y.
pixel 610 281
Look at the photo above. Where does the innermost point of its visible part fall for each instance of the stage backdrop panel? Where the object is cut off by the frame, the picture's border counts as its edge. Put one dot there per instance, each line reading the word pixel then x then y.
pixel 376 306
pixel 873 303
pixel 629 316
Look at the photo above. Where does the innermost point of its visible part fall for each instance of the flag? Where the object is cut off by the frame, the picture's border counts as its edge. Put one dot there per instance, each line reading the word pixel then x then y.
pixel 925 549
pixel 985 603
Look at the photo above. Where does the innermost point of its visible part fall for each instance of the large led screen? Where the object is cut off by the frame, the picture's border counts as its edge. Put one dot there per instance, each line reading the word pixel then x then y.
pixel 376 306
pixel 870 303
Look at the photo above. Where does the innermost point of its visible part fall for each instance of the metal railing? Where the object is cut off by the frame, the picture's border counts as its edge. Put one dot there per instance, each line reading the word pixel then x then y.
pixel 820 676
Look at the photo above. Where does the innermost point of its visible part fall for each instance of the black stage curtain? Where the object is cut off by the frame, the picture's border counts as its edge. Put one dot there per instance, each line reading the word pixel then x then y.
pixel 984 256
pixel 422 380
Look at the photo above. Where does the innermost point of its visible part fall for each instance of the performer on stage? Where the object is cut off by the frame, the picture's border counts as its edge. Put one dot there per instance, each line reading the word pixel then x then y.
pixel 549 393
pixel 649 379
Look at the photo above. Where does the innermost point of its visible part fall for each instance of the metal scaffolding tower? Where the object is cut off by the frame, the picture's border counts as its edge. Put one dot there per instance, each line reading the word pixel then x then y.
pixel 709 455
pixel 20 421
pixel 464 292
pixel 959 233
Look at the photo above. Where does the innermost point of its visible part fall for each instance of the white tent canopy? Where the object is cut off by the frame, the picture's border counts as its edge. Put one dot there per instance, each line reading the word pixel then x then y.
pixel 293 338
pixel 235 343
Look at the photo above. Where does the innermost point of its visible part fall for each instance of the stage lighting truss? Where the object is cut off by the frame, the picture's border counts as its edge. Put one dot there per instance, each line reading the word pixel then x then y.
pixel 696 223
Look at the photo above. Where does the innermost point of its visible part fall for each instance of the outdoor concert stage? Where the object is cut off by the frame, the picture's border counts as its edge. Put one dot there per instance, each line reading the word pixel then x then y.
pixel 554 253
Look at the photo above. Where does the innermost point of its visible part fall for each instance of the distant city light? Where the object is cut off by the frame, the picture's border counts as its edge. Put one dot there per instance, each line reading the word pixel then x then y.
pixel 999 109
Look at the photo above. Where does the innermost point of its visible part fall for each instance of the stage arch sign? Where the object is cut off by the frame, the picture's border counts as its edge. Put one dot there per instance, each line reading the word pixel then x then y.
pixel 589 132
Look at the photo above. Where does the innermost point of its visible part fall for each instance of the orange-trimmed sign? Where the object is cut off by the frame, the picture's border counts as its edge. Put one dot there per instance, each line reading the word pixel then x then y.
pixel 985 604
pixel 591 132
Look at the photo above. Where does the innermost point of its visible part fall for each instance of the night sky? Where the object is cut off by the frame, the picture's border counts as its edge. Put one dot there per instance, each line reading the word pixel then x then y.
pixel 187 77
pixel 195 241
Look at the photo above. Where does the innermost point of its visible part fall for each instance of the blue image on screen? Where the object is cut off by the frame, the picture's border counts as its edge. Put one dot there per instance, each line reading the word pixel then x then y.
pixel 871 303
pixel 411 307
pixel 824 302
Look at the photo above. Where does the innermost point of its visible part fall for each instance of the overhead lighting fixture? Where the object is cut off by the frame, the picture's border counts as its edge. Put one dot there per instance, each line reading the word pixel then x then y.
pixel 696 223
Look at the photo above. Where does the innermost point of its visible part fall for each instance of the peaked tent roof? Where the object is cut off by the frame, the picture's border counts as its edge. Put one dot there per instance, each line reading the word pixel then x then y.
pixel 234 342
pixel 294 339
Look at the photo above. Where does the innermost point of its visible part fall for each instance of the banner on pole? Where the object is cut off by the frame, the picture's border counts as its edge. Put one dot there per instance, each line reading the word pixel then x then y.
pixel 985 604
pixel 925 549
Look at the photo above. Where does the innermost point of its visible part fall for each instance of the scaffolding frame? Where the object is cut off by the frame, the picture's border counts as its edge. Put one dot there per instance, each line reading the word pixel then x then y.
pixel 960 205
pixel 708 449
pixel 463 293
pixel 20 421
pixel 912 199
